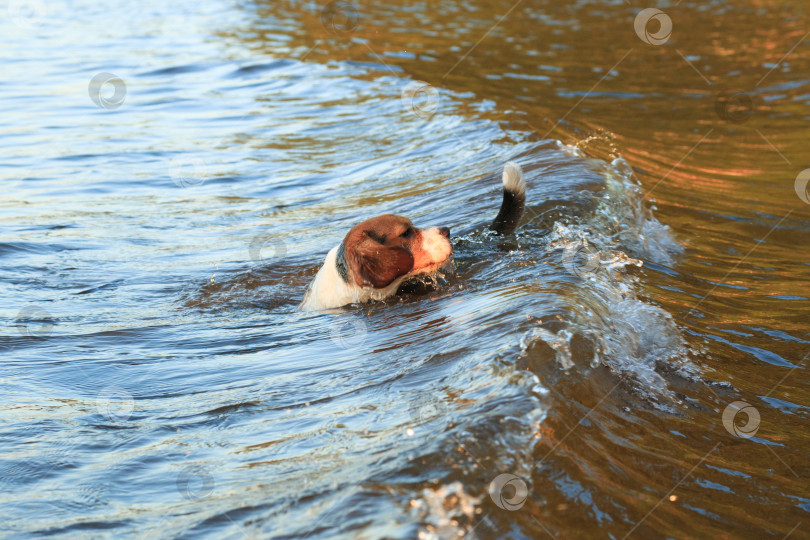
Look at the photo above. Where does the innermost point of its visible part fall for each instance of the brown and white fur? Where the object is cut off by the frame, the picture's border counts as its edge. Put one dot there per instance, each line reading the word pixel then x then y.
pixel 379 254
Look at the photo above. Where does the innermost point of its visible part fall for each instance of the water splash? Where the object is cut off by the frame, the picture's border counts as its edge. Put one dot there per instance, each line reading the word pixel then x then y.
pixel 446 512
pixel 631 336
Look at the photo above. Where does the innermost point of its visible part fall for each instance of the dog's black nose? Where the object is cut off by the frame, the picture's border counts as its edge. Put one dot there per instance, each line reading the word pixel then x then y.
pixel 444 232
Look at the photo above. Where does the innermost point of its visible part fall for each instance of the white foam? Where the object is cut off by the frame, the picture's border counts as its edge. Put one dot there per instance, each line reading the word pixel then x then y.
pixel 446 512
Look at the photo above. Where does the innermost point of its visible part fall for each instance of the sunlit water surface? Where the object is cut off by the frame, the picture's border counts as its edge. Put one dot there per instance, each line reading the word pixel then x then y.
pixel 158 380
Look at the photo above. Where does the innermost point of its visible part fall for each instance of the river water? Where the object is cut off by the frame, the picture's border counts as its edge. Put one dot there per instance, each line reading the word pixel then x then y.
pixel 633 362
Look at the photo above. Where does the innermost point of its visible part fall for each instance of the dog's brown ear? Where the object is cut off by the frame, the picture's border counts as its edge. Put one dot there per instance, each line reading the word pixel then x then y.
pixel 378 265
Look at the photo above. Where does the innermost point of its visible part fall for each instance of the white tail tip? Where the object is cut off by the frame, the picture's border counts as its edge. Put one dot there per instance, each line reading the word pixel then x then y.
pixel 513 178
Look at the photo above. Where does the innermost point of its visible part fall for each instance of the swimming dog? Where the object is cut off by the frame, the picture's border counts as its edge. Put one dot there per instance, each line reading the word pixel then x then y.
pixel 381 253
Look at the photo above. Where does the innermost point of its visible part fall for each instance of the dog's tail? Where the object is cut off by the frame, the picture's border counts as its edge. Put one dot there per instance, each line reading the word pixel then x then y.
pixel 514 199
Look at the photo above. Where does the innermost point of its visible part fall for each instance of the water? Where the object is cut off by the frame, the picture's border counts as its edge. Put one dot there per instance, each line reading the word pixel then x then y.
pixel 162 223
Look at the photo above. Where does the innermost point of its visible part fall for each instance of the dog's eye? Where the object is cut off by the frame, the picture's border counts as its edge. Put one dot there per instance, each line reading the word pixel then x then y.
pixel 379 238
pixel 408 233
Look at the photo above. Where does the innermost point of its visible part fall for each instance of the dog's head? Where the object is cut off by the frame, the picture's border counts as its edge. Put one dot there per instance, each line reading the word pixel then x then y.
pixel 382 249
